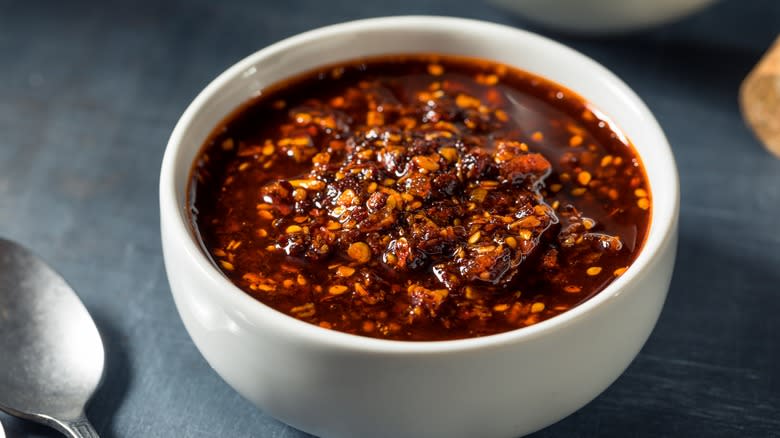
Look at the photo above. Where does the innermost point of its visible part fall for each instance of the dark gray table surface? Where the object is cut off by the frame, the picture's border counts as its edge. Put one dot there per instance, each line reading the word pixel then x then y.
pixel 90 92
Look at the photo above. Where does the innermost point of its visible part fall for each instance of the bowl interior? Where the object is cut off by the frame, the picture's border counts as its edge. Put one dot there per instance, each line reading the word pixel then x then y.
pixel 442 35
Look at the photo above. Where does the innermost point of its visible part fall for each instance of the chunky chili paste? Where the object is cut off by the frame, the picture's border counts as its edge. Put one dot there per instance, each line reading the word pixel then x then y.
pixel 419 198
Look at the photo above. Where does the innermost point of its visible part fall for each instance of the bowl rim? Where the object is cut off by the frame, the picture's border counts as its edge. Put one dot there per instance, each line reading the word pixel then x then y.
pixel 663 217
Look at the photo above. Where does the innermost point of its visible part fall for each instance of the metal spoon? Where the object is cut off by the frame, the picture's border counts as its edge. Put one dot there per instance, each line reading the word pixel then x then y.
pixel 52 354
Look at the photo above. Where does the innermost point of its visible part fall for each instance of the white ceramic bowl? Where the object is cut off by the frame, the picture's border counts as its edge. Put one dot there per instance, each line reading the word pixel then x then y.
pixel 339 385
pixel 603 16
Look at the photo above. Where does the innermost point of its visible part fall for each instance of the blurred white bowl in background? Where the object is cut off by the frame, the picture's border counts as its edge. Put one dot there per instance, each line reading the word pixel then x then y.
pixel 602 16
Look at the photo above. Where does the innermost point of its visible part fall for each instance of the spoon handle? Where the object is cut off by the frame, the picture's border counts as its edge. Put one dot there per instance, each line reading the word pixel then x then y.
pixel 78 428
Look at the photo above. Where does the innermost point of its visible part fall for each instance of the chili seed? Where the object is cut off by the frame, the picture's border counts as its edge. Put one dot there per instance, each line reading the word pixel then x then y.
pixel 426 163
pixel 266 287
pixel 309 184
pixel 337 289
pixel 360 252
pixel 588 223
pixel 593 270
pixel 299 194
pixel 304 311
pixel 347 197
pixel 478 195
pixel 345 271
pixel 303 118
pixel 465 101
pixel 527 222
pixel 435 69
pixel 449 154
pixel 374 118
pixel 265 214
pixel 360 289
pixel 584 177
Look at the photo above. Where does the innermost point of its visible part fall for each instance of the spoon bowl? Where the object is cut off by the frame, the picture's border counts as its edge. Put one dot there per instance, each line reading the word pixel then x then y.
pixel 52 352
